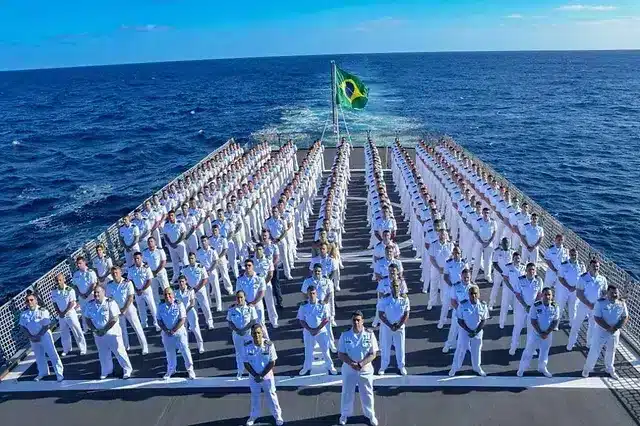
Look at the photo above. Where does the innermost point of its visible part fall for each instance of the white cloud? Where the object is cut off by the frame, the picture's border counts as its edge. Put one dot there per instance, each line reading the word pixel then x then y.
pixel 514 16
pixel 586 8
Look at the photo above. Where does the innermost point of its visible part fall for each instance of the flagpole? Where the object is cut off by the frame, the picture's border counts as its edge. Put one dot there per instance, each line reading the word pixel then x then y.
pixel 334 109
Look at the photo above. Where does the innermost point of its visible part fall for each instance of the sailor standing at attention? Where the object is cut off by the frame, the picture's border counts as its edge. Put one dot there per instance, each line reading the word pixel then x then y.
pixel 554 257
pixel 254 289
pixel 186 295
pixel 102 265
pixel 102 317
pixel 122 291
pixel 544 317
pixel 510 276
pixel 314 319
pixel 265 269
pixel 142 277
pixel 85 281
pixel 357 349
pixel 174 235
pixel 156 258
pixel 208 258
pixel 129 236
pixel 394 313
pixel 610 315
pixel 197 277
pixel 35 323
pixel 171 318
pixel 568 276
pixel 501 257
pixel 241 318
pixel 64 302
pixel 259 359
pixel 526 291
pixel 472 315
pixel 458 293
pixel 590 287
pixel 532 237
pixel 439 252
pixel 485 234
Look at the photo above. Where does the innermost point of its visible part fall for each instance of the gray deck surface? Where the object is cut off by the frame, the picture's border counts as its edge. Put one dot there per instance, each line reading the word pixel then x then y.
pixel 311 406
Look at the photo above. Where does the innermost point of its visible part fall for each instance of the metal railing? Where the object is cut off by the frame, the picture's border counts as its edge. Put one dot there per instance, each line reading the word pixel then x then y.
pixel 630 288
pixel 13 343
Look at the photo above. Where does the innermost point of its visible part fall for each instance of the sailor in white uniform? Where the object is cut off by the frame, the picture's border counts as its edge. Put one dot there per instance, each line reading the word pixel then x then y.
pixel 591 286
pixel 102 264
pixel 532 237
pixel 485 234
pixel 129 236
pixel 171 318
pixel 156 259
pixel 554 256
pixel 544 317
pixel 85 281
pixel 254 289
pixel 501 257
pixel 394 313
pixel 207 256
pixel 526 291
pixel 35 322
pixel 142 277
pixel 278 229
pixel 241 318
pixel 357 348
pixel 187 297
pixel 458 293
pixel 259 359
pixel 314 319
pixel 610 315
pixel 64 302
pixel 263 266
pixel 472 315
pixel 197 277
pixel 510 276
pixel 103 316
pixel 439 252
pixel 220 244
pixel 568 275
pixel 122 291
pixel 174 235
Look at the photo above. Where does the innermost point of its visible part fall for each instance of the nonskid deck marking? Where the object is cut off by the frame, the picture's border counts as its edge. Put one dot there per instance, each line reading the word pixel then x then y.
pixel 322 380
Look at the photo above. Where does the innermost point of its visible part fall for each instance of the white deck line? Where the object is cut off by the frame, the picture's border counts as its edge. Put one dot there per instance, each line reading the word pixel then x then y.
pixel 322 380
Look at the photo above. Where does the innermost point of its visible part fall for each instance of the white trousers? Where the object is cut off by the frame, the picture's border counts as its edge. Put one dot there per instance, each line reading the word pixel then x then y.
pixel 565 298
pixel 582 313
pixel 83 307
pixel 445 293
pixel 535 342
pixel 204 303
pixel 452 337
pixel 128 254
pixel 194 326
pixel 159 283
pixel 44 349
pixel 322 339
pixel 144 302
pixel 486 254
pixel 471 344
pixel 285 257
pixel 232 253
pixel 530 255
pixel 213 285
pixel 71 325
pixel 602 338
pixel 269 388
pixel 520 318
pixel 223 273
pixel 507 300
pixel 112 344
pixel 495 288
pixel 435 283
pixel 178 342
pixel 238 345
pixel 178 257
pixel 350 379
pixel 390 338
pixel 131 316
pixel 269 300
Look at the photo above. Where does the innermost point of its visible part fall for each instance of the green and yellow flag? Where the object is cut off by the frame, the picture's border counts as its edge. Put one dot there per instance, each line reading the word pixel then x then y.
pixel 350 91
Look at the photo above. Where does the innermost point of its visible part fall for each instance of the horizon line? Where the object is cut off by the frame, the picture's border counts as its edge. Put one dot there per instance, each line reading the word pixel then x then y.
pixel 231 58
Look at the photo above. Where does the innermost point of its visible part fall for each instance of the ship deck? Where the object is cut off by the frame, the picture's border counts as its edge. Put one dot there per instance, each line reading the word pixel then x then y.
pixel 426 396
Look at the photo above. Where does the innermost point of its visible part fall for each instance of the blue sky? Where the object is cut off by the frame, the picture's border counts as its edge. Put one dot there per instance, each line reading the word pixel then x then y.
pixel 45 33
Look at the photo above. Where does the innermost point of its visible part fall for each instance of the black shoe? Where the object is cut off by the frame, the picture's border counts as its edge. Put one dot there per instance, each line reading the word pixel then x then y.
pixel 279 307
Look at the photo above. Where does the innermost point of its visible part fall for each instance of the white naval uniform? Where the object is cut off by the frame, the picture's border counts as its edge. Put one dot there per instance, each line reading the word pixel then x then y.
pixel 120 292
pixel 394 308
pixel 313 314
pixel 103 266
pixel 258 357
pixel 251 286
pixel 531 235
pixel 502 258
pixel 170 315
pixel 241 316
pixel 161 279
pixel 472 314
pixel 276 228
pixel 571 272
pixel 221 244
pixel 611 313
pixel 111 342
pixel 545 315
pixel 208 259
pixel 34 320
pixel 195 274
pixel 83 282
pixel 555 255
pixel 139 276
pixel 357 346
pixel 593 289
pixel 129 235
pixel 262 267
pixel 439 252
pixel 485 230
pixel 513 274
pixel 172 232
pixel 459 292
pixel 188 299
pixel 529 289
pixel 69 324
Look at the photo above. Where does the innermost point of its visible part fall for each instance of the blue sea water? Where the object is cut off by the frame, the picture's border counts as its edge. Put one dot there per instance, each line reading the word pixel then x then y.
pixel 83 146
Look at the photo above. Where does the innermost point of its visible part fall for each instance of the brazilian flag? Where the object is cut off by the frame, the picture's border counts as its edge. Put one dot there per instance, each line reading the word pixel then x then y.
pixel 351 91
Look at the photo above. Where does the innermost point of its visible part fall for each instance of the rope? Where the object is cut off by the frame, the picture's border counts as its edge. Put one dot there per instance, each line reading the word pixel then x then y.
pixel 323 130
pixel 345 125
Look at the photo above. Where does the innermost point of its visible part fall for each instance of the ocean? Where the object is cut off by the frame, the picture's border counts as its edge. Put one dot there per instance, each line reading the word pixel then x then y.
pixel 83 146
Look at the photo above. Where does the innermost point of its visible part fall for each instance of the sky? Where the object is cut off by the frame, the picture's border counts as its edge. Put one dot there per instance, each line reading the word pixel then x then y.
pixel 46 34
